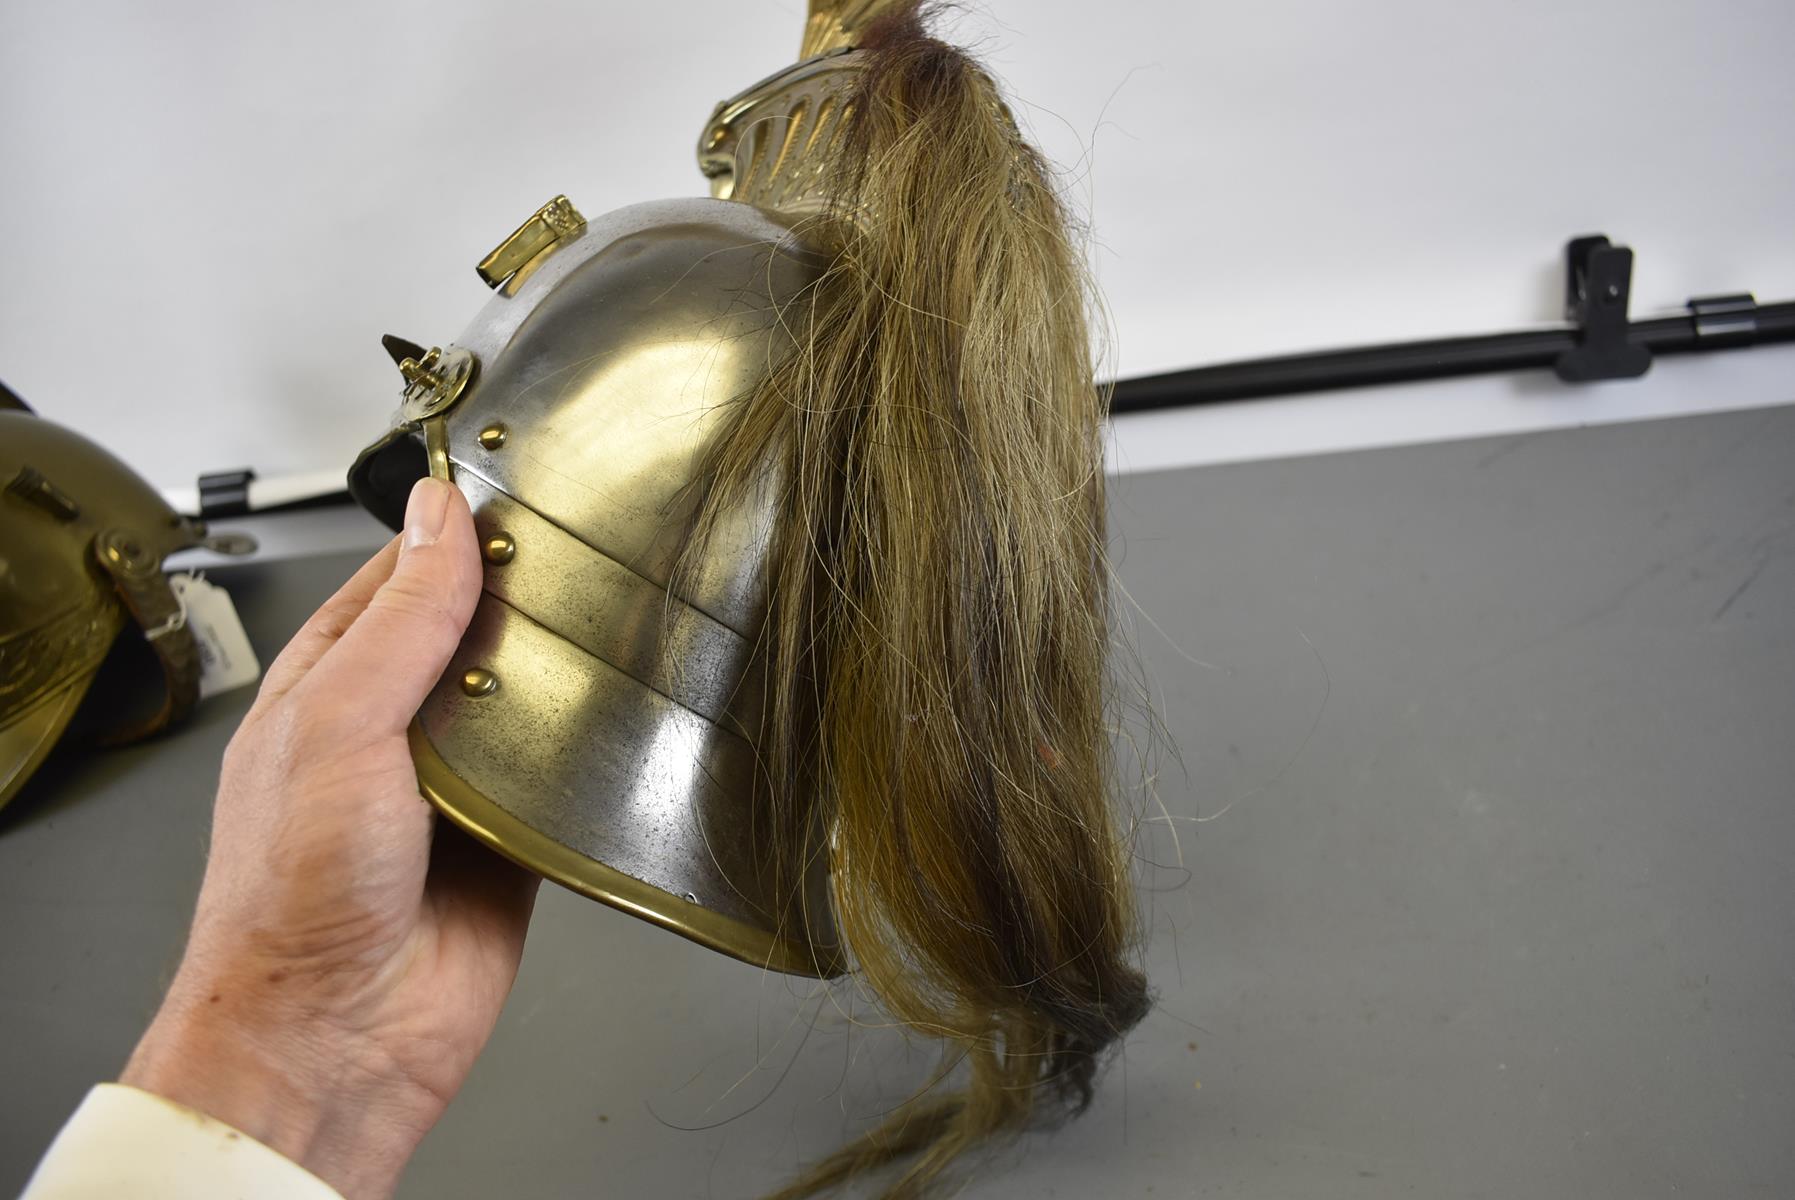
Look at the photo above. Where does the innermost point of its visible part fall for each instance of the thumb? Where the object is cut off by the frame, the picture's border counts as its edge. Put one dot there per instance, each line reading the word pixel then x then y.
pixel 383 666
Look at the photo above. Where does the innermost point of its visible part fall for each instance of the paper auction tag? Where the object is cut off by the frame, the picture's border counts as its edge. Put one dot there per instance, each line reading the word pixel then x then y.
pixel 226 658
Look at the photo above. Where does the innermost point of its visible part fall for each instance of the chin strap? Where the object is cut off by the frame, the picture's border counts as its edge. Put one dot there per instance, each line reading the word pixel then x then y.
pixel 136 573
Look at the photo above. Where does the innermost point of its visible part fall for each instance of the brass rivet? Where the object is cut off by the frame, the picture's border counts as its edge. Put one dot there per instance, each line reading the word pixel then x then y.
pixel 124 551
pixel 500 549
pixel 478 681
pixel 493 436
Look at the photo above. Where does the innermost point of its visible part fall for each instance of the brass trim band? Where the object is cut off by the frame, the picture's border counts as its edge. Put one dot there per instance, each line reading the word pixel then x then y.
pixel 471 811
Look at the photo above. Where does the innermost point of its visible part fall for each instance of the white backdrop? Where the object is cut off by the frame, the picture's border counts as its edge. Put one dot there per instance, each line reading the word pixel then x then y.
pixel 211 211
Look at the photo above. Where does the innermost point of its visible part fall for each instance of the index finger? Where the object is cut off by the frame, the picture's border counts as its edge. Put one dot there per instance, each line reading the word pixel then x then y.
pixel 322 630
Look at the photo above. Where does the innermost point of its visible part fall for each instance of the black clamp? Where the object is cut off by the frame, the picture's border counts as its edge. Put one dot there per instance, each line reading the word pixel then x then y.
pixel 1598 282
pixel 224 494
pixel 1724 320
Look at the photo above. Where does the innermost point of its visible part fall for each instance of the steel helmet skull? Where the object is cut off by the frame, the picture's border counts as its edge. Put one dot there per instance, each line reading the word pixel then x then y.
pixel 597 723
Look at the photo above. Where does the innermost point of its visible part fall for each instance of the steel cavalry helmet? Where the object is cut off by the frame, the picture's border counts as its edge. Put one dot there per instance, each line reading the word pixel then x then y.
pixel 597 722
pixel 82 539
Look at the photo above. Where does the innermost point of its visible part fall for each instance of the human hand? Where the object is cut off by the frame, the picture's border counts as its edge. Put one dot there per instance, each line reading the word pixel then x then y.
pixel 349 953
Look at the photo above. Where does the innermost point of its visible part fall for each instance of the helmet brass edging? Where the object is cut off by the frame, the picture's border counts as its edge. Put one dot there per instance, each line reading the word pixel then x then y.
pixel 493 826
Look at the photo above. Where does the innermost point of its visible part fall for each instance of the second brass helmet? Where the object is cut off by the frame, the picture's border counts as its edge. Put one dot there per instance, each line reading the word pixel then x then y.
pixel 82 539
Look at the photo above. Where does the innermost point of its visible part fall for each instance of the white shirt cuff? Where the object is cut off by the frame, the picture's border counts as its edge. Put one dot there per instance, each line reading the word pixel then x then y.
pixel 126 1142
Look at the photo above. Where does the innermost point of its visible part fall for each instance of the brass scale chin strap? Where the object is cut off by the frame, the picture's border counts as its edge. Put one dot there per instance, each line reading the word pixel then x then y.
pixel 136 574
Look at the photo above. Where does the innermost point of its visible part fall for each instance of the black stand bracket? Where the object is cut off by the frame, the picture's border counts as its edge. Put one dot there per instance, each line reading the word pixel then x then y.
pixel 1722 321
pixel 224 494
pixel 1600 342
pixel 1598 282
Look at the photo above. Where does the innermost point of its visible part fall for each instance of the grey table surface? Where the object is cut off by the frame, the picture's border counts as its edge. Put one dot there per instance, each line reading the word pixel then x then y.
pixel 1473 874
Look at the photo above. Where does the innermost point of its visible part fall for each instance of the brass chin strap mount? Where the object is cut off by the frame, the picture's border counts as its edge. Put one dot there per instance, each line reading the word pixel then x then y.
pixel 432 385
pixel 434 380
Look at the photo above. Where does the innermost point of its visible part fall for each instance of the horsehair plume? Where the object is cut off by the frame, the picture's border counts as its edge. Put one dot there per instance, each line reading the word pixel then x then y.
pixel 938 615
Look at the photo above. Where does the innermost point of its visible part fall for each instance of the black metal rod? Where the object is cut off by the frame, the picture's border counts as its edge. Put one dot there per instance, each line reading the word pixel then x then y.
pixel 1402 362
